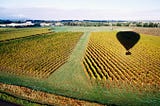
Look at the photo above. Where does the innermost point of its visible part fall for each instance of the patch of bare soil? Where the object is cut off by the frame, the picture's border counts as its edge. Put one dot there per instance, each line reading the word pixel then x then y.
pixel 42 97
pixel 149 31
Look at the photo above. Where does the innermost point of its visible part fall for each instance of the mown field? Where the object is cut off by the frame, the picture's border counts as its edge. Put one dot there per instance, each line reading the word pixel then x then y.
pixel 89 65
pixel 89 29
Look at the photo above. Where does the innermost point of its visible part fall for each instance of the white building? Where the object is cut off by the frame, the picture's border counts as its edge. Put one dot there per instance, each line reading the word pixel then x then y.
pixel 28 23
pixel 58 24
pixel 45 24
pixel 3 25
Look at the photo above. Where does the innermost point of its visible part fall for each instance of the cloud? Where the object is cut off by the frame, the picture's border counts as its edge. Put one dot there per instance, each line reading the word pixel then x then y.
pixel 59 14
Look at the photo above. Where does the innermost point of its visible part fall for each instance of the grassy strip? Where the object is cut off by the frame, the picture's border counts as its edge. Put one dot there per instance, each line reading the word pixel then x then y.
pixel 70 79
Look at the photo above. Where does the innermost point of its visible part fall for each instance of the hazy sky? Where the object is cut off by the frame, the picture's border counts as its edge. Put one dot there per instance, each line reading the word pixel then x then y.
pixel 81 9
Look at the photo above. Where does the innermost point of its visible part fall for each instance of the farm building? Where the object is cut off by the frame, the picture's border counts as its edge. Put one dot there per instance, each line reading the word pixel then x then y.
pixel 28 23
pixel 43 24
pixel 58 24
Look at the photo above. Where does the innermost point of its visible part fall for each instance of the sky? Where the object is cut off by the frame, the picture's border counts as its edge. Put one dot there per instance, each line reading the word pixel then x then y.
pixel 81 9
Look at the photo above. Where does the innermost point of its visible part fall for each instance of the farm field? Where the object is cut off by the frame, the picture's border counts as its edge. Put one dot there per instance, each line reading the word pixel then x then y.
pixel 149 31
pixel 37 56
pixel 105 59
pixel 89 65
pixel 89 29
pixel 13 33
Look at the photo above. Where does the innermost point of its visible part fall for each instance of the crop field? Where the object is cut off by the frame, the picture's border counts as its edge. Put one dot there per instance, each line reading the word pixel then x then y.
pixel 105 59
pixel 12 33
pixel 80 66
pixel 37 56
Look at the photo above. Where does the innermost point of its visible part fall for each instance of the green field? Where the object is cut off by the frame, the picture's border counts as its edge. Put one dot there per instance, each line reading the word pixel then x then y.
pixel 14 33
pixel 88 29
pixel 96 68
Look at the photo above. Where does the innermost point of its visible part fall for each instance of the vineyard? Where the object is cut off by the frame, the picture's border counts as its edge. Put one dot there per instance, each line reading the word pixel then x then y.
pixel 105 59
pixel 90 65
pixel 37 56
pixel 13 33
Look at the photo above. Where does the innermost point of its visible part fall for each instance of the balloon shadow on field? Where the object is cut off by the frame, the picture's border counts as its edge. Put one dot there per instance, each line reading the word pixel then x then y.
pixel 128 39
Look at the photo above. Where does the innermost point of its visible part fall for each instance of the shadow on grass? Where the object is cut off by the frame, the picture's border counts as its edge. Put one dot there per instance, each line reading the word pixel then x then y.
pixel 128 39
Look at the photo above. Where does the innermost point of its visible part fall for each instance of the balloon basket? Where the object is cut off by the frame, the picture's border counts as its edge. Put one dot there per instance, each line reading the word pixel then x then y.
pixel 128 53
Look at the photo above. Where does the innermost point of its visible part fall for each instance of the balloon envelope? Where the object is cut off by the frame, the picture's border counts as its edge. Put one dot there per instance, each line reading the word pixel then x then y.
pixel 128 38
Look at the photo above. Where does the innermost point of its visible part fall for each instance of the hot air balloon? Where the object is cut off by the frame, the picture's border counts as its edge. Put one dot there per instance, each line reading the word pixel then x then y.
pixel 128 39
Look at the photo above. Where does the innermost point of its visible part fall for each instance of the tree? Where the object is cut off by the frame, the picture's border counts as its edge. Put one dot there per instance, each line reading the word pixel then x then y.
pixel 118 24
pixel 151 24
pixel 145 25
